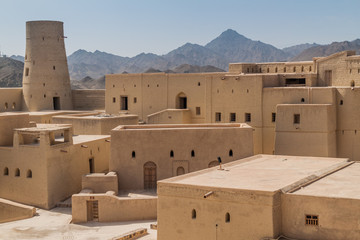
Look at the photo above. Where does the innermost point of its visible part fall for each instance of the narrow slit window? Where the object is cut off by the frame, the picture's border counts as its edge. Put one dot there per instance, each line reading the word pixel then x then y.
pixel 232 117
pixel 17 172
pixel 231 153
pixel 227 217
pixel 192 153
pixel 198 110
pixel 273 117
pixel 6 171
pixel 218 117
pixel 247 117
pixel 296 118
pixel 193 214
pixel 29 174
pixel 171 153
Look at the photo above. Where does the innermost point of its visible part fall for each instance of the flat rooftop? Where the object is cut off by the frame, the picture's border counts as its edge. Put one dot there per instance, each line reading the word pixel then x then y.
pixel 78 139
pixel 261 172
pixel 181 126
pixel 340 184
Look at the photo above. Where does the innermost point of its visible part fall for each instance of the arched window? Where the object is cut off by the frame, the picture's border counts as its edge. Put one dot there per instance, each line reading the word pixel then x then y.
pixel 133 154
pixel 303 100
pixel 193 214
pixel 192 153
pixel 227 217
pixel 6 105
pixel 6 171
pixel 352 84
pixel 29 174
pixel 230 153
pixel 13 105
pixel 17 172
pixel 171 153
pixel 180 171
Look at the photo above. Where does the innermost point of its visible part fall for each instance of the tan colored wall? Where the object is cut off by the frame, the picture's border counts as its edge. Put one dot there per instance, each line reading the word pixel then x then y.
pixel 154 143
pixel 100 182
pixel 46 72
pixel 253 215
pixel 114 209
pixel 88 99
pixel 338 218
pixel 11 211
pixel 170 116
pixel 313 136
pixel 9 121
pixel 10 99
pixel 56 169
pixel 90 124
pixel 272 67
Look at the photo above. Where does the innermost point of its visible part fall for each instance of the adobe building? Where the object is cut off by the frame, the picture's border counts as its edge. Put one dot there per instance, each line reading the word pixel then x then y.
pixel 262 197
pixel 279 100
pixel 144 154
pixel 43 164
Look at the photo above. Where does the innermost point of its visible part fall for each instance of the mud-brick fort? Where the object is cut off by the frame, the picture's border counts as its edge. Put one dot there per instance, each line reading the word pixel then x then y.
pixel 149 146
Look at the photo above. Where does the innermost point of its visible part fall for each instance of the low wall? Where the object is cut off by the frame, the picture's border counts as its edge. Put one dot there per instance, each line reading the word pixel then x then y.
pixel 11 211
pixel 100 182
pixel 89 99
pixel 10 99
pixel 112 208
pixel 92 124
pixel 170 116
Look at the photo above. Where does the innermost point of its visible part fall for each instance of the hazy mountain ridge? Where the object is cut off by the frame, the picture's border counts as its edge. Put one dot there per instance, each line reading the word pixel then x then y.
pixel 326 50
pixel 11 72
pixel 297 49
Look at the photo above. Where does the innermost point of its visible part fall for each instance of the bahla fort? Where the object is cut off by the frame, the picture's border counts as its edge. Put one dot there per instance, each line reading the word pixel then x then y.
pixel 263 151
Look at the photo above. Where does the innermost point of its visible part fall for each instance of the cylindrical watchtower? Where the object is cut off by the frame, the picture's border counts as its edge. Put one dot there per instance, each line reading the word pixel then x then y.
pixel 46 81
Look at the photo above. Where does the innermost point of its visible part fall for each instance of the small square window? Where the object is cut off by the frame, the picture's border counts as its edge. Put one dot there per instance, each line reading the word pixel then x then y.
pixel 273 117
pixel 218 117
pixel 296 118
pixel 247 117
pixel 311 220
pixel 198 110
pixel 232 117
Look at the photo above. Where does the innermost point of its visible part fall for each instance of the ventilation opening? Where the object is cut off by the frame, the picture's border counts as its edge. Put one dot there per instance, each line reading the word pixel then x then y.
pixel 227 217
pixel 303 100
pixel 17 172
pixel 192 153
pixel 26 72
pixel 273 117
pixel 193 214
pixel 341 102
pixel 296 118
pixel 311 220
pixel 171 153
pixel 56 103
pixel 231 153
pixel 135 100
pixel 133 154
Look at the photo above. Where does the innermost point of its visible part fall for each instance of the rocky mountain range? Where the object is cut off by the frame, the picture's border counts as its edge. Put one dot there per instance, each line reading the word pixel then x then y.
pixel 87 69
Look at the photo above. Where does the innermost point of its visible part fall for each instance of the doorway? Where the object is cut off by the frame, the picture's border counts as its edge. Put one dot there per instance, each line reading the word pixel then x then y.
pixel 150 175
pixel 56 103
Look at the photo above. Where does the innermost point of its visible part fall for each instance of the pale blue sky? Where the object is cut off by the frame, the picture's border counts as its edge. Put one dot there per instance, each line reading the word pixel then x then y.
pixel 130 27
